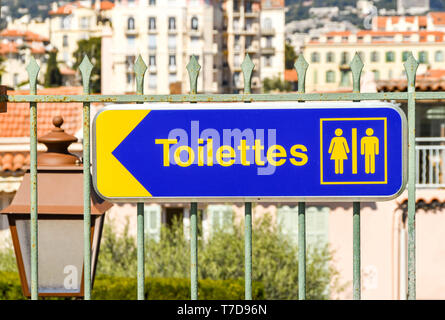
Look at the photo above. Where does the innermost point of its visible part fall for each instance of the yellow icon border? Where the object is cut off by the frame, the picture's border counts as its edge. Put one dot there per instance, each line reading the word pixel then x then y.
pixel 352 182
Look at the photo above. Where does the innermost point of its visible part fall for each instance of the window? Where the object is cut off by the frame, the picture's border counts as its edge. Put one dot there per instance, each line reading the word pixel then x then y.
pixel 267 24
pixel 172 78
pixel 236 61
pixel 405 55
pixel 345 80
pixel 344 58
pixel 171 23
pixel 389 74
pixel 151 23
pixel 374 56
pixel 220 217
pixel 131 42
pixel 330 76
pixel 317 224
pixel 65 41
pixel 65 22
pixel 315 57
pixel 423 57
pixel 152 61
pixel 236 79
pixel 172 60
pixel 152 2
pixel 152 80
pixel 84 23
pixel 438 56
pixel 268 42
pixel 194 23
pixel 376 74
pixel 361 54
pixel 152 41
pixel 268 61
pixel 330 57
pixel 390 56
pixel 315 77
pixel 152 217
pixel 172 42
pixel 130 23
pixel 130 78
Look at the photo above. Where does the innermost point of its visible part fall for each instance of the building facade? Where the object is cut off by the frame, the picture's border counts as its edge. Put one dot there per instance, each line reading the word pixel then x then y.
pixel 16 48
pixel 167 33
pixel 74 21
pixel 382 52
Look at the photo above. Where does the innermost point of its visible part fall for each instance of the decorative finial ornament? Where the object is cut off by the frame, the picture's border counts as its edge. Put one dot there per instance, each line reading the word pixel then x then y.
pixel 301 66
pixel 33 71
pixel 193 69
pixel 356 66
pixel 411 65
pixel 85 69
pixel 139 69
pixel 247 66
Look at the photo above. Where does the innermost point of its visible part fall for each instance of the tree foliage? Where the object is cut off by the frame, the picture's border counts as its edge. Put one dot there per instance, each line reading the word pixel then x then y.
pixel 276 84
pixel 290 56
pixel 221 257
pixel 92 48
pixel 53 77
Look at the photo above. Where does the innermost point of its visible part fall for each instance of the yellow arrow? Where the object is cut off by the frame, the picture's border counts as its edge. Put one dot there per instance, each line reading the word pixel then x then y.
pixel 113 180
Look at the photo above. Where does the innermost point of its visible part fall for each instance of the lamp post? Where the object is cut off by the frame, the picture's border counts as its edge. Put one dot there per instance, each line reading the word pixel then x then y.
pixel 60 220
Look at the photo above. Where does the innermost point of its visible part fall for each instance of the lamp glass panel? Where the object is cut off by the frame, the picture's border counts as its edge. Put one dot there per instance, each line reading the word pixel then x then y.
pixel 60 254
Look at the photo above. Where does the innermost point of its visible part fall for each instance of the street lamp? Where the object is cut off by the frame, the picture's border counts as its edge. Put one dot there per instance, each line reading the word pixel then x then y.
pixel 60 220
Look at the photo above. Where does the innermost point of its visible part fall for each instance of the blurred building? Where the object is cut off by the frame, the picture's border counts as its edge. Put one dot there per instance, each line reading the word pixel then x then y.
pixel 167 33
pixel 76 21
pixel 16 48
pixel 382 52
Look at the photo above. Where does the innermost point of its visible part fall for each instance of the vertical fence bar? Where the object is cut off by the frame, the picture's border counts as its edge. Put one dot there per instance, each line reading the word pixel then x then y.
pixel 301 66
pixel 356 66
pixel 411 67
pixel 139 69
pixel 193 68
pixel 33 71
pixel 247 67
pixel 85 69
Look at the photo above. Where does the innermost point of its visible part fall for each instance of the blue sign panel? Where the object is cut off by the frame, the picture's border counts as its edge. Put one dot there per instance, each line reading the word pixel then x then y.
pixel 259 151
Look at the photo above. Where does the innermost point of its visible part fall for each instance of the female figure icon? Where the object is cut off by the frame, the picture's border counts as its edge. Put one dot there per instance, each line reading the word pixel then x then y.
pixel 339 150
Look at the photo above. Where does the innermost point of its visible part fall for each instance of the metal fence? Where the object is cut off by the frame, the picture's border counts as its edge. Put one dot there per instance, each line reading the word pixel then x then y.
pixel 193 69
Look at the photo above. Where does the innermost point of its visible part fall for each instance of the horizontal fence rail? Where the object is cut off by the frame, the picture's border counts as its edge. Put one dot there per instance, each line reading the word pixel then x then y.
pixel 427 152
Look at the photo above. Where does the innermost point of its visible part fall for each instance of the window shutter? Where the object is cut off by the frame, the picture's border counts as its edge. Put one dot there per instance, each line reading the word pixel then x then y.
pixel 153 221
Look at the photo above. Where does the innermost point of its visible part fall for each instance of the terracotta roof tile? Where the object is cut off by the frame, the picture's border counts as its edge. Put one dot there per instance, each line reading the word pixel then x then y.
pixel 13 161
pixel 15 122
pixel 291 75
pixel 106 5
pixel 6 48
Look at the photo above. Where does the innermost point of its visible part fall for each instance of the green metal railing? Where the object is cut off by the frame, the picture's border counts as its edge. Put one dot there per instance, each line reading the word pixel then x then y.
pixel 193 69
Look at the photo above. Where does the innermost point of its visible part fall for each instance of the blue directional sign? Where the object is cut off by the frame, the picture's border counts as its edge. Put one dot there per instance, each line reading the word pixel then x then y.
pixel 250 152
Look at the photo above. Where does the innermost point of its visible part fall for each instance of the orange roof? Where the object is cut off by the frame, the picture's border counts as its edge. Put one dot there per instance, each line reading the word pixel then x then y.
pixel 291 75
pixel 27 35
pixel 6 48
pixel 438 17
pixel 433 74
pixel 14 161
pixel 106 5
pixel 381 22
pixel 66 9
pixel 15 122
